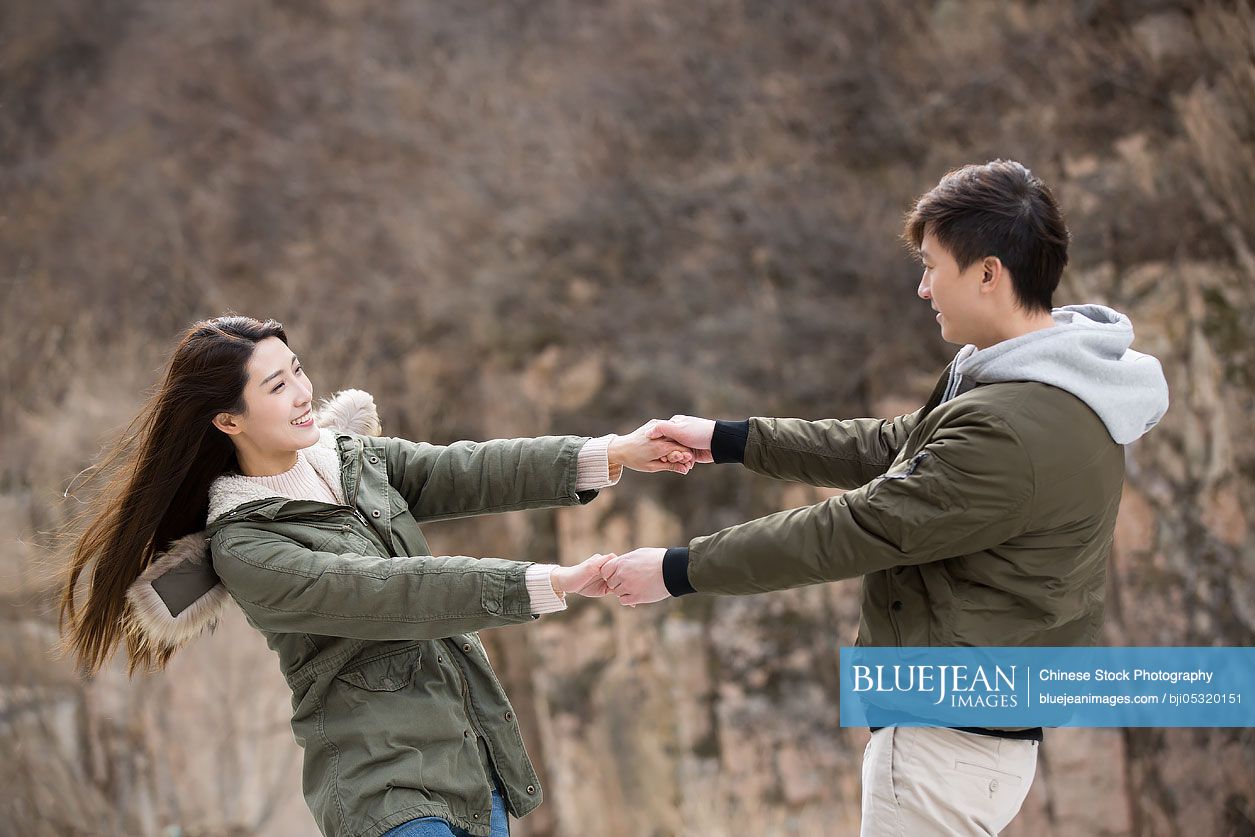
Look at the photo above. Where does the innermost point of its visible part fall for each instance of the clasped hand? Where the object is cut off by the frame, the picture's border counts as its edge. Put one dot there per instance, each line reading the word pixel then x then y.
pixel 636 577
pixel 659 446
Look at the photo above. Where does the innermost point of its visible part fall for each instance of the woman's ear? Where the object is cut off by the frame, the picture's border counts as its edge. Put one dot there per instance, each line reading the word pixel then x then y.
pixel 227 423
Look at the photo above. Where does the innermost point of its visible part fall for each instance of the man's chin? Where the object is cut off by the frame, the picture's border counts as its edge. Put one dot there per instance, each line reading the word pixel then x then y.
pixel 949 335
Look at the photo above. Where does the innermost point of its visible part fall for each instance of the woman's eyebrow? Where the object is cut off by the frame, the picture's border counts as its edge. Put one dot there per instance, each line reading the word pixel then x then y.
pixel 274 374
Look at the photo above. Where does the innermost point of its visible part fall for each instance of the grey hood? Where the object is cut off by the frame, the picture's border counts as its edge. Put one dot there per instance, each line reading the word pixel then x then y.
pixel 1085 353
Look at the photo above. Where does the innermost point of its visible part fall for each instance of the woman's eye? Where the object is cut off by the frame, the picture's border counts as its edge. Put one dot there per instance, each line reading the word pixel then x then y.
pixel 300 370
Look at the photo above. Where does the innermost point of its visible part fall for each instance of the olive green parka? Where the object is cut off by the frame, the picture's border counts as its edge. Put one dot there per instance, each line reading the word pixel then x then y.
pixel 394 702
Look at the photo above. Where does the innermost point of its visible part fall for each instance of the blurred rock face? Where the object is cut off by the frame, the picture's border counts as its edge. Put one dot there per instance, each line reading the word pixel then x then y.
pixel 514 219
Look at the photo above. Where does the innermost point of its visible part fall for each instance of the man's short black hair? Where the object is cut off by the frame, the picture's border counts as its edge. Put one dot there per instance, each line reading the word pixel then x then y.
pixel 997 209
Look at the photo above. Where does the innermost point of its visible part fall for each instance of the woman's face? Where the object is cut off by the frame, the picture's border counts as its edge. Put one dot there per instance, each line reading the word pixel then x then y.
pixel 277 393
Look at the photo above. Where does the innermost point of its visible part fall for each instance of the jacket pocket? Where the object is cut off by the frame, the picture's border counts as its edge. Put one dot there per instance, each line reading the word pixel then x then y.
pixel 914 506
pixel 899 472
pixel 387 673
pixel 341 541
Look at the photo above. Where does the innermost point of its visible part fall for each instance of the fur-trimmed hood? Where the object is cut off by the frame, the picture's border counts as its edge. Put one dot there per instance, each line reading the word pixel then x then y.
pixel 179 595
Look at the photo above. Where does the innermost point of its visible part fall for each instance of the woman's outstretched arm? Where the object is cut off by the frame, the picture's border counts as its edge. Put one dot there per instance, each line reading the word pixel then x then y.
pixel 470 478
pixel 285 587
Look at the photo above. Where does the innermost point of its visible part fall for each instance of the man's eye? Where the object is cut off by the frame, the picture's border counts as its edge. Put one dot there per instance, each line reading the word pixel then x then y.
pixel 276 389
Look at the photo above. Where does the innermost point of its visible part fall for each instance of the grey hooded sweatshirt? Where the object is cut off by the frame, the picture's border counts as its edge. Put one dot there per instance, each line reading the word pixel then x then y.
pixel 1087 354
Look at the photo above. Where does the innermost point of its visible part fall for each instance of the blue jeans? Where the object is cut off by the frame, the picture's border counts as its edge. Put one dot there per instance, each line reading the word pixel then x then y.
pixel 436 827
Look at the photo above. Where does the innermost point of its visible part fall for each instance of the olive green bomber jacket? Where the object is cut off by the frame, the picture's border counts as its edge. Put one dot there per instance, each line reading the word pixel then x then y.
pixel 986 520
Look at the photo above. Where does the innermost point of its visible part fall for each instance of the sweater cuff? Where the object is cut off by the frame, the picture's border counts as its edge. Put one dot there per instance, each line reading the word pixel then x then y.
pixel 727 443
pixel 592 469
pixel 675 571
pixel 540 590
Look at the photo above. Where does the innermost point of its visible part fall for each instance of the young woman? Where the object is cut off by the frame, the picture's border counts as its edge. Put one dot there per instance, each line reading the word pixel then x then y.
pixel 235 486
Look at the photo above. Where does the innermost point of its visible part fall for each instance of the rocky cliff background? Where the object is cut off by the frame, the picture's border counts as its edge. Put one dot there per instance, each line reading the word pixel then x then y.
pixel 517 218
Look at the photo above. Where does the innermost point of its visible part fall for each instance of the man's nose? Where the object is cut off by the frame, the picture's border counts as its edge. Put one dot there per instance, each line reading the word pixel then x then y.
pixel 923 290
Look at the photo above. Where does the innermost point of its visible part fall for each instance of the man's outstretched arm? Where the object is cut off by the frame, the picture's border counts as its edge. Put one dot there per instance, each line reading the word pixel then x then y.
pixel 834 453
pixel 971 487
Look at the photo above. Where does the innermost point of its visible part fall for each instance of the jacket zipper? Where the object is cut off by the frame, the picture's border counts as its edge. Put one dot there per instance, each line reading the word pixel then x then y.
pixel 338 509
pixel 361 467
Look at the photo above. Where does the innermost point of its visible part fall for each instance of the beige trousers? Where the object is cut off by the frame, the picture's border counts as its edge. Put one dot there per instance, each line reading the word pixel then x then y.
pixel 921 781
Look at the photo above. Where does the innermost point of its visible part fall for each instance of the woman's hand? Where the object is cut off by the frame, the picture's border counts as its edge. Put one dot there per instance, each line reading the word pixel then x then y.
pixel 641 453
pixel 584 578
pixel 694 432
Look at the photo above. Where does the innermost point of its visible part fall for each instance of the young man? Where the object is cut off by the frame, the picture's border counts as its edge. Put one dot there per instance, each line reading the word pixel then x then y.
pixel 983 518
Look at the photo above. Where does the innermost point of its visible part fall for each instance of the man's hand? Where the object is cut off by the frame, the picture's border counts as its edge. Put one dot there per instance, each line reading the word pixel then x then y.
pixel 584 578
pixel 690 431
pixel 636 576
pixel 640 450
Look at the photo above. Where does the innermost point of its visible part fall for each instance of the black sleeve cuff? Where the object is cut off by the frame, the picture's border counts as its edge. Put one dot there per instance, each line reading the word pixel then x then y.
pixel 727 444
pixel 675 571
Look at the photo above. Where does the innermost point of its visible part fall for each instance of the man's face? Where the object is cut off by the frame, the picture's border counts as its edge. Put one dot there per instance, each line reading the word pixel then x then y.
pixel 954 294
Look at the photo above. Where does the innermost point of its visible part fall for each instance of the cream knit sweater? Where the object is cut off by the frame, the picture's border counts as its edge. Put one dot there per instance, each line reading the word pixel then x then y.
pixel 302 482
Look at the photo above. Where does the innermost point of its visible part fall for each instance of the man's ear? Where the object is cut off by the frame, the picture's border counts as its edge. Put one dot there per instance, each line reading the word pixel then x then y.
pixel 227 423
pixel 992 269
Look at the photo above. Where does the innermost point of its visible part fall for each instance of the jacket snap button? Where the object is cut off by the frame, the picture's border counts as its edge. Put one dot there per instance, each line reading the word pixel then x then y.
pixel 375 513
pixel 374 459
pixel 897 605
pixel 509 716
pixel 467 648
pixel 440 659
pixel 531 789
pixel 475 816
pixel 467 733
pixel 993 785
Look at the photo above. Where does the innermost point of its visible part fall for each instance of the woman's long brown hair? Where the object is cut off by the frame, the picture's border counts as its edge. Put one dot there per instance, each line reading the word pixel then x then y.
pixel 168 456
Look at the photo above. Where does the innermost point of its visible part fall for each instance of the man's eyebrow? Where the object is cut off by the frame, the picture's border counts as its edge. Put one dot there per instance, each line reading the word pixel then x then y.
pixel 274 374
pixel 923 254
